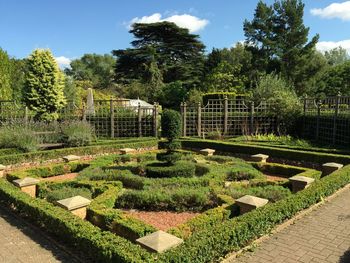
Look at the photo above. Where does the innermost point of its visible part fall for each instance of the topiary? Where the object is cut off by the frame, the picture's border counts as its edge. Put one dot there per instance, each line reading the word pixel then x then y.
pixel 171 125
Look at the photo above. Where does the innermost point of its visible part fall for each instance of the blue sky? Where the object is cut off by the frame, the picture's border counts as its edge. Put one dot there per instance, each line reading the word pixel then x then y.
pixel 73 28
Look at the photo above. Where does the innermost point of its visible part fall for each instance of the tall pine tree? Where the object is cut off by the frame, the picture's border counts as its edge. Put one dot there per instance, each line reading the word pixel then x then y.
pixel 44 85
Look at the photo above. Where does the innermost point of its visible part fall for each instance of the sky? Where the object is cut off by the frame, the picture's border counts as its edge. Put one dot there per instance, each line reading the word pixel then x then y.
pixel 71 28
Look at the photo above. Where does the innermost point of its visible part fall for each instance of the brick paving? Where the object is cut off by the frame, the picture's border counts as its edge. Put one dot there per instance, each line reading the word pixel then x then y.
pixel 321 236
pixel 20 242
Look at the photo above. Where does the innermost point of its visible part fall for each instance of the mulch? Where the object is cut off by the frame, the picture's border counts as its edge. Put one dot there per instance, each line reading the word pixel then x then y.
pixel 162 220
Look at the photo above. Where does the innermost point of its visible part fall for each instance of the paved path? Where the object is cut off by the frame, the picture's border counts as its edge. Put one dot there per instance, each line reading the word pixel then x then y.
pixel 321 236
pixel 19 242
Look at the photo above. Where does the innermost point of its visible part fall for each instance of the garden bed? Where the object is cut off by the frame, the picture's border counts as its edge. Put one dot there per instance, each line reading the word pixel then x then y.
pixel 129 202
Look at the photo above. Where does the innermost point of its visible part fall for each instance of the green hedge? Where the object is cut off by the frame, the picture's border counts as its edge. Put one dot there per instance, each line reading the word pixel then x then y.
pixel 287 154
pixel 101 212
pixel 102 246
pixel 212 243
pixel 86 150
pixel 47 170
pixel 163 170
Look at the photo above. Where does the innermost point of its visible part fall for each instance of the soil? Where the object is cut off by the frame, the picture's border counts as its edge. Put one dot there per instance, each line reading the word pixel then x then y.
pixel 162 220
pixel 62 177
pixel 275 178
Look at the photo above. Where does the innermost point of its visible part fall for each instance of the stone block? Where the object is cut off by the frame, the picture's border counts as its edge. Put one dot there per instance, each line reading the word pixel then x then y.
pixel 27 185
pixel 159 241
pixel 248 203
pixel 261 158
pixel 207 152
pixel 2 170
pixel 71 158
pixel 300 182
pixel 127 150
pixel 328 168
pixel 76 205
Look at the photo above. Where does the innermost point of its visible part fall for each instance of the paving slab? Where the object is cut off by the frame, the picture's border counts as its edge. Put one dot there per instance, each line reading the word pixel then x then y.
pixel 21 242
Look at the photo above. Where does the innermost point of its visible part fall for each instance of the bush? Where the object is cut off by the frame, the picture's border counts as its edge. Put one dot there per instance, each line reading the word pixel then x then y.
pixel 179 169
pixel 174 199
pixel 244 172
pixel 169 157
pixel 273 193
pixel 18 136
pixel 67 192
pixel 77 133
pixel 171 125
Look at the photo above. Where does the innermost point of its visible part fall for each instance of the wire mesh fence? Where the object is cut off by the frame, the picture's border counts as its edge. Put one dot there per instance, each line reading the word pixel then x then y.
pixel 327 120
pixel 229 117
pixel 109 118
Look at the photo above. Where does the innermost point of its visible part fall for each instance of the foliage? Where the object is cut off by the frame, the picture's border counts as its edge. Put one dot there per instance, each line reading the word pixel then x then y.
pixel 67 192
pixel 273 139
pixel 99 69
pixel 337 56
pixel 182 199
pixel 5 76
pixel 178 169
pixel 44 85
pixel 169 158
pixel 161 49
pixel 171 124
pixel 77 133
pixel 336 80
pixel 285 104
pixel 243 171
pixel 278 40
pixel 18 136
pixel 273 193
pixel 174 90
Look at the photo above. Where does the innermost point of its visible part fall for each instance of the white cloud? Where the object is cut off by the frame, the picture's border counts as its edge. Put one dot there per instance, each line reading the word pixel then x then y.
pixel 63 62
pixel 328 45
pixel 334 10
pixel 192 23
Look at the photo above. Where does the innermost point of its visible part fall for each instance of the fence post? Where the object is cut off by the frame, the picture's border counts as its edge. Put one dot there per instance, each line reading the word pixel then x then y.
pixel 319 103
pixel 199 119
pixel 26 116
pixel 111 106
pixel 336 111
pixel 155 119
pixel 139 119
pixel 252 110
pixel 183 113
pixel 225 114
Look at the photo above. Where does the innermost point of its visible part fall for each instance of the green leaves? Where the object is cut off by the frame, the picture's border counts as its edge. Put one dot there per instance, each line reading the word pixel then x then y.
pixel 44 85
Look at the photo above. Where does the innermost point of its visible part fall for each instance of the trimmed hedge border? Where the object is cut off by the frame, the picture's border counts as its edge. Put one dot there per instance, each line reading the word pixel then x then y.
pixel 86 150
pixel 287 154
pixel 210 244
pixel 102 246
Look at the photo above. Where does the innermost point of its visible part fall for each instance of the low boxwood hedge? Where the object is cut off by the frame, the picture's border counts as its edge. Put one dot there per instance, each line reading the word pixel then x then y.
pixel 286 154
pixel 163 170
pixel 102 246
pixel 86 150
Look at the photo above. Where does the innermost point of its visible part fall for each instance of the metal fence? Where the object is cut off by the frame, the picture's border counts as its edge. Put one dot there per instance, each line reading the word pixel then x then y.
pixel 327 120
pixel 229 117
pixel 110 118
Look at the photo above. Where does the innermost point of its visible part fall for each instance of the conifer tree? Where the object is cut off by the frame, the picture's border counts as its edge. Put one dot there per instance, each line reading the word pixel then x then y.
pixel 43 91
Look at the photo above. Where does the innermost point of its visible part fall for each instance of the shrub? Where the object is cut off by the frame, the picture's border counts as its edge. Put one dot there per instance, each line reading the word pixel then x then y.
pixel 273 193
pixel 244 172
pixel 169 157
pixel 201 169
pixel 77 133
pixel 174 199
pixel 171 127
pixel 179 169
pixel 18 136
pixel 67 192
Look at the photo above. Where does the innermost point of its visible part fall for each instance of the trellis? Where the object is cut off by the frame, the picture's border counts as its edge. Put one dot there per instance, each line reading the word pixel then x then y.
pixel 110 118
pixel 327 120
pixel 229 117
